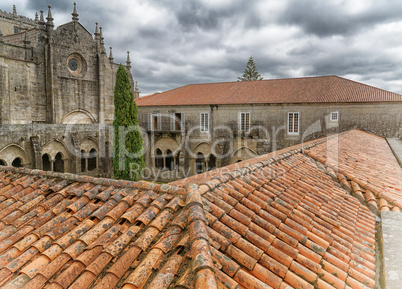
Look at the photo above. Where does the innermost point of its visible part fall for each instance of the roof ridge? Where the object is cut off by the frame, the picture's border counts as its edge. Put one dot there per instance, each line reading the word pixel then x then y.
pixel 202 263
pixel 160 188
pixel 346 179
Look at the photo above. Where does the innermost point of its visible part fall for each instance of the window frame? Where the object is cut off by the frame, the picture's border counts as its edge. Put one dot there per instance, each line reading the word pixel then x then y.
pixel 293 132
pixel 334 113
pixel 151 116
pixel 203 127
pixel 174 121
pixel 241 113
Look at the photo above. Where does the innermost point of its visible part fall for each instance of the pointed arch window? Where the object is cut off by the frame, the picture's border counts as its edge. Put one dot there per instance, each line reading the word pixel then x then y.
pixel 17 162
pixel 46 164
pixel 59 163
pixel 92 160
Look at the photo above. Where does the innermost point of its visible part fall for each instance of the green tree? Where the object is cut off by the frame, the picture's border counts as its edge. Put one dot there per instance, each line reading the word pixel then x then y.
pixel 128 161
pixel 250 72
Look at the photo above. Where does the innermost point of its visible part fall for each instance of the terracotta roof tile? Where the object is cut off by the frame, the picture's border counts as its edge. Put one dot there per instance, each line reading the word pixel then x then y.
pixel 314 90
pixel 285 222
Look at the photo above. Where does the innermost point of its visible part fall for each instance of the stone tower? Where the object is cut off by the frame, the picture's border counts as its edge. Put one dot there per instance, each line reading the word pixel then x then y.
pixel 57 87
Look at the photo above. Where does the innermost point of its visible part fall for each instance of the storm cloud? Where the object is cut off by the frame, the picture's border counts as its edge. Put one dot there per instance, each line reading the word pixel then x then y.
pixel 174 43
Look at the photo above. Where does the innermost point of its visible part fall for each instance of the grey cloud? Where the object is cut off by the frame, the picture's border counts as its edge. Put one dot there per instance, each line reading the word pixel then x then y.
pixel 37 5
pixel 326 18
pixel 197 41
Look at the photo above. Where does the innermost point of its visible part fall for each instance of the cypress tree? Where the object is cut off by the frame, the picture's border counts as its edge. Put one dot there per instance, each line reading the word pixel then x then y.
pixel 250 72
pixel 128 161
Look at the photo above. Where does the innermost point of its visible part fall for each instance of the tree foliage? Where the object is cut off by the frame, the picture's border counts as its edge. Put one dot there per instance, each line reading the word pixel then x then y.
pixel 250 72
pixel 128 161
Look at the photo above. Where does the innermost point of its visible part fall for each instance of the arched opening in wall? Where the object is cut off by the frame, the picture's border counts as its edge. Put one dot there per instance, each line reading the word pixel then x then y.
pixel 238 161
pixel 2 163
pixel 169 160
pixel 59 163
pixel 158 159
pixel 92 160
pixel 17 162
pixel 200 164
pixel 83 161
pixel 212 162
pixel 177 161
pixel 46 164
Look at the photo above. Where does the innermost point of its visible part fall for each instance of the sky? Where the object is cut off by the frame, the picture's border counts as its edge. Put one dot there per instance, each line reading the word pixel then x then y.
pixel 179 42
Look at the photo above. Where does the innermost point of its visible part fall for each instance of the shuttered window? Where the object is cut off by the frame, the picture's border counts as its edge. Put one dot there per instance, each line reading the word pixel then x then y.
pixel 154 121
pixel 176 121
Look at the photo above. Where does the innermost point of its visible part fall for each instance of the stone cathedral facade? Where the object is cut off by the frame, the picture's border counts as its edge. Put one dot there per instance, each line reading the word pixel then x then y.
pixel 56 95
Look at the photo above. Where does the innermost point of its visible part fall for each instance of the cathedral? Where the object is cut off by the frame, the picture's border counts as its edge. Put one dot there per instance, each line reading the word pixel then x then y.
pixel 56 95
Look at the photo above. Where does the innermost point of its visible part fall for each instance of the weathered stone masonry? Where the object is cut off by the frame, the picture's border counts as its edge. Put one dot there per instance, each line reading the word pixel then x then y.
pixel 56 95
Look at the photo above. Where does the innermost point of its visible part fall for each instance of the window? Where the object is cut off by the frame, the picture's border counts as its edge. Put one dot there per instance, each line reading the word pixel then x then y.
pixel 159 159
pixel 154 121
pixel 47 166
pixel 59 163
pixel 212 162
pixel 176 121
pixel 83 161
pixel 15 30
pixel 92 160
pixel 17 163
pixel 334 116
pixel 244 123
pixel 199 163
pixel 169 160
pixel 204 122
pixel 293 123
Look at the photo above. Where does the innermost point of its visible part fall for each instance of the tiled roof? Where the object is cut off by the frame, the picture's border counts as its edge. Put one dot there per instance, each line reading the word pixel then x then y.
pixel 281 222
pixel 324 89
pixel 365 165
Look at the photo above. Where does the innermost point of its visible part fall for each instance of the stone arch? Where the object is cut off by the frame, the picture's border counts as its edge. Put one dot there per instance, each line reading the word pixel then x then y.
pixel 243 153
pixel 89 143
pixel 2 163
pixel 203 147
pixel 54 148
pixel 12 152
pixel 17 162
pixel 78 116
pixel 89 154
pixel 167 143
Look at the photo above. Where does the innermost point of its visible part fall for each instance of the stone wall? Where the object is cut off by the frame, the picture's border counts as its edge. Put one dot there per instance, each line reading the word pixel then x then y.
pixel 8 21
pixel 50 108
pixel 268 129
pixel 31 142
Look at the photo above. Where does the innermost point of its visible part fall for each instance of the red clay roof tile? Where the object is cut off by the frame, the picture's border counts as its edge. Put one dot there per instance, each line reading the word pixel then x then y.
pixel 313 89
pixel 299 229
